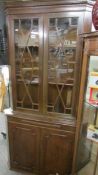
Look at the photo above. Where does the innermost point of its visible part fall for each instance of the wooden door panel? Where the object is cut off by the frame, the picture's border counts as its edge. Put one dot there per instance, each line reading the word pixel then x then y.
pixel 57 152
pixel 24 146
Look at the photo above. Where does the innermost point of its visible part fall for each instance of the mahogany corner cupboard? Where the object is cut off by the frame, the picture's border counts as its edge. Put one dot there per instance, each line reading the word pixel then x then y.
pixel 45 55
pixel 87 109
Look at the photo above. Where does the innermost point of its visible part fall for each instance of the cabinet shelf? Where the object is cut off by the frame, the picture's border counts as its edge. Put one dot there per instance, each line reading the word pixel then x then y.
pixel 51 106
pixel 28 82
pixel 67 84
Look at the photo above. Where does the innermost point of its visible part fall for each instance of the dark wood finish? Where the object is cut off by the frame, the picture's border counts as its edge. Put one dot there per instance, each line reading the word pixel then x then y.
pixel 24 141
pixel 37 146
pixel 57 151
pixel 90 43
pixel 69 11
pixel 53 131
pixel 10 3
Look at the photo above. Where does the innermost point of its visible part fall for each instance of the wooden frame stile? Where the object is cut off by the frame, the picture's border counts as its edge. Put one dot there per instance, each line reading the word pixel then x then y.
pixel 45 65
pixel 84 72
pixel 11 53
pixel 41 33
pixel 78 68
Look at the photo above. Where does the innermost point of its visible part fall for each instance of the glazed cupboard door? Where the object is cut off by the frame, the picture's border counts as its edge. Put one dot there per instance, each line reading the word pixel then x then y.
pixel 87 111
pixel 56 152
pixel 27 44
pixel 24 147
pixel 61 50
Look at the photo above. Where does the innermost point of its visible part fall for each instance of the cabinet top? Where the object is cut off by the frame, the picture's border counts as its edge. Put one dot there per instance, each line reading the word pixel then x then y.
pixel 46 6
pixel 17 3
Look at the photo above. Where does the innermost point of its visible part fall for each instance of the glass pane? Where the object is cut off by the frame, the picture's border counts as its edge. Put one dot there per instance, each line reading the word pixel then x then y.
pixel 27 62
pixel 87 149
pixel 61 64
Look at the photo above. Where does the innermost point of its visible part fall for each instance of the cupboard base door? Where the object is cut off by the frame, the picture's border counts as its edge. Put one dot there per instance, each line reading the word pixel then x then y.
pixel 24 147
pixel 57 152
